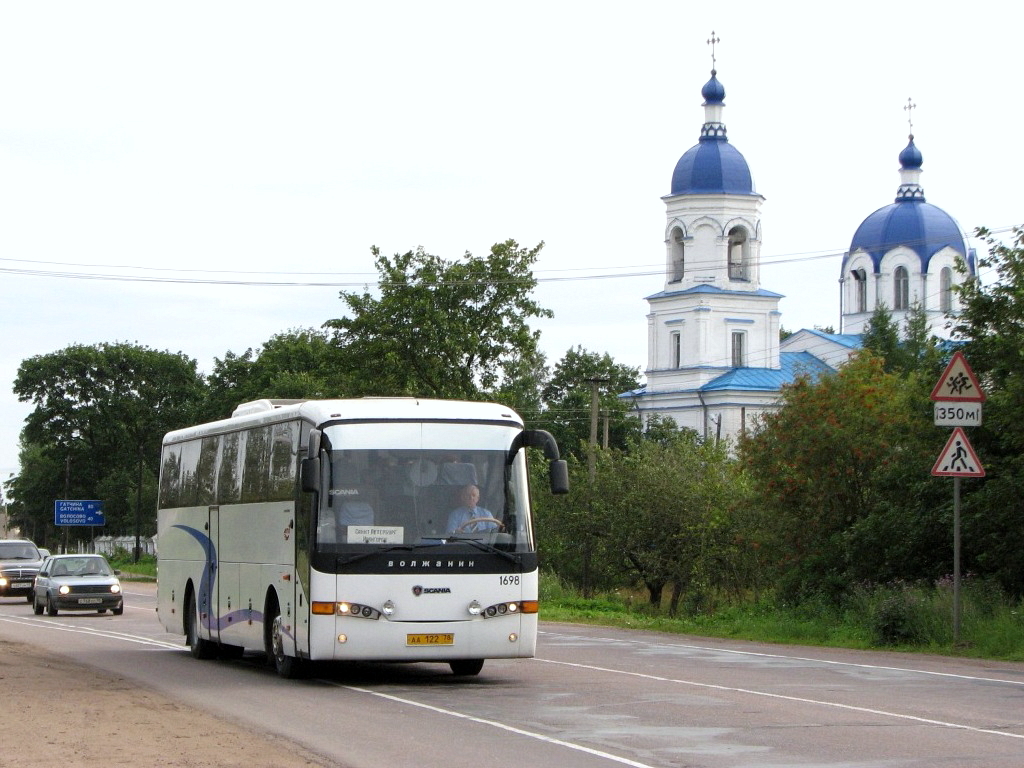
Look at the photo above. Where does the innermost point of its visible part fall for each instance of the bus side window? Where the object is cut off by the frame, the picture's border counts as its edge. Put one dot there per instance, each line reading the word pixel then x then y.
pixel 284 453
pixel 206 471
pixel 256 466
pixel 229 475
pixel 170 477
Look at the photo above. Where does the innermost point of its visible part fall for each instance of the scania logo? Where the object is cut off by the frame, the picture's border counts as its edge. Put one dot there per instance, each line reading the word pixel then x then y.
pixel 418 590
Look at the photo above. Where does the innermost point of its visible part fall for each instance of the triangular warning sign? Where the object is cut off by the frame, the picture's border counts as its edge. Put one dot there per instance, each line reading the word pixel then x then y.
pixel 958 458
pixel 958 383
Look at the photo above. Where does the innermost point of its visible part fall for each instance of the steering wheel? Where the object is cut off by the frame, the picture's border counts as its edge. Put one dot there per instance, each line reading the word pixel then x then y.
pixel 474 520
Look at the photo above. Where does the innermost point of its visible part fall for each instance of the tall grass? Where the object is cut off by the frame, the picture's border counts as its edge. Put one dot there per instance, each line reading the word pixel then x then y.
pixel 906 617
pixel 144 570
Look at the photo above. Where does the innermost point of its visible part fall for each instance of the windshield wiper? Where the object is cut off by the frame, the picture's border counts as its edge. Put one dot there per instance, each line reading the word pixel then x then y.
pixel 485 547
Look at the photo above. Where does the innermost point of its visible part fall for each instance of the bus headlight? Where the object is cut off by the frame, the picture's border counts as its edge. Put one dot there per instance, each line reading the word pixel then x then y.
pixel 475 609
pixel 504 609
pixel 388 608
pixel 357 611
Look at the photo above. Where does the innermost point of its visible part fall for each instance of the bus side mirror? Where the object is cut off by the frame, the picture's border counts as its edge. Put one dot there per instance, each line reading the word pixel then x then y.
pixel 311 475
pixel 558 470
pixel 559 476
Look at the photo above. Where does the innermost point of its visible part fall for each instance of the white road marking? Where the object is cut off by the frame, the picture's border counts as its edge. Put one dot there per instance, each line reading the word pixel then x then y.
pixel 830 662
pixel 781 697
pixel 495 724
pixel 56 625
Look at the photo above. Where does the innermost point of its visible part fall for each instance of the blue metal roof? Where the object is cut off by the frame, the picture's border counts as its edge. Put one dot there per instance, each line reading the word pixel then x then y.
pixel 915 224
pixel 712 167
pixel 713 90
pixel 793 366
pixel 848 340
pixel 910 221
pixel 705 288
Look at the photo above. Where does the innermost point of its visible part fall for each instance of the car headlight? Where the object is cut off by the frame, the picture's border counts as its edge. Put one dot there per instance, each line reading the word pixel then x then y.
pixel 115 588
pixel 3 581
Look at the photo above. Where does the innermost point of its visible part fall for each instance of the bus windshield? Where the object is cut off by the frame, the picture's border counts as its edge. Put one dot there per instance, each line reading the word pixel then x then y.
pixel 453 484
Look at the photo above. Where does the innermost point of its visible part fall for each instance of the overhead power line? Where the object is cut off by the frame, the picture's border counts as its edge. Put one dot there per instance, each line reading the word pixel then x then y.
pixel 248 278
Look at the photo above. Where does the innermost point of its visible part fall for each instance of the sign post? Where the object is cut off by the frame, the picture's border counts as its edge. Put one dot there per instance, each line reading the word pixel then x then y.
pixel 958 397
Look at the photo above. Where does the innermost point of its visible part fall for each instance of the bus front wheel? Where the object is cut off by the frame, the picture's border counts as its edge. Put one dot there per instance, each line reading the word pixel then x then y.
pixel 286 666
pixel 201 649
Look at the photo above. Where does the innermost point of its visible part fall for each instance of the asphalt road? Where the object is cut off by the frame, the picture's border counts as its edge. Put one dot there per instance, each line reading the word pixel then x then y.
pixel 592 697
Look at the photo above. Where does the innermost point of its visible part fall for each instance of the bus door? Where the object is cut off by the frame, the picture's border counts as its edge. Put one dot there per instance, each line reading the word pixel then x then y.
pixel 217 573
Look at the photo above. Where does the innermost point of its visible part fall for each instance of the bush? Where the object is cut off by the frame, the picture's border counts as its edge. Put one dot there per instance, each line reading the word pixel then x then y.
pixel 895 617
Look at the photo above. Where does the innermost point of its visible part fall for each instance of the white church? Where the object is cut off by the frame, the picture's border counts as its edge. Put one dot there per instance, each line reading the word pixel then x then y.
pixel 714 358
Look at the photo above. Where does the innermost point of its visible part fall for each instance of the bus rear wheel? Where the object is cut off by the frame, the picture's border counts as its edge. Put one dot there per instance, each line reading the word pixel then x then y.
pixel 201 649
pixel 466 667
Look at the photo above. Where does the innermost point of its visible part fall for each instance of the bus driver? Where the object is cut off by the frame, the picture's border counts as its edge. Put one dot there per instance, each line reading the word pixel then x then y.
pixel 468 516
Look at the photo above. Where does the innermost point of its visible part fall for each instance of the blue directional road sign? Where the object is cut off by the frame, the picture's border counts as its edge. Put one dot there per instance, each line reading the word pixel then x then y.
pixel 66 512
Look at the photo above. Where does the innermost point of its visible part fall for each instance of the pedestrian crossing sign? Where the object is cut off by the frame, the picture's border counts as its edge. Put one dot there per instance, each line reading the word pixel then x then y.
pixel 958 458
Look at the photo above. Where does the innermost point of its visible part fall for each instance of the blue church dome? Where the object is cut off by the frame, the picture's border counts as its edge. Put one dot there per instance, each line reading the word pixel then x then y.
pixel 713 166
pixel 713 91
pixel 910 221
pixel 911 157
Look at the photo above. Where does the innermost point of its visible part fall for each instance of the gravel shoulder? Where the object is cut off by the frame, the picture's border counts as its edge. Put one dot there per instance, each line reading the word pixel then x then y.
pixel 76 716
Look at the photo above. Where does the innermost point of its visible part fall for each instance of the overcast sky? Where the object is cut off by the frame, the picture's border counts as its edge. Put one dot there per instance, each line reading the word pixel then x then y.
pixel 159 161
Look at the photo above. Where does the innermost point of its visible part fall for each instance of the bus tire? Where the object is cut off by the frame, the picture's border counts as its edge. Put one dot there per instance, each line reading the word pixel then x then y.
pixel 466 667
pixel 288 667
pixel 200 648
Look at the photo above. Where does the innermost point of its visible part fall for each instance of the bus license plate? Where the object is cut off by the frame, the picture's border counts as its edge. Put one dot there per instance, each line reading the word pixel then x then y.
pixel 443 639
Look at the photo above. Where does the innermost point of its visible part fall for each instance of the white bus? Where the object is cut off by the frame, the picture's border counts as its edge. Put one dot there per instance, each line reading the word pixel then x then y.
pixel 319 530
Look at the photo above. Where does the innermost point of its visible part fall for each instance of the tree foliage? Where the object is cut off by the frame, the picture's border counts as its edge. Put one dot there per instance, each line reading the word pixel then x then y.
pixel 441 328
pixel 100 413
pixel 661 513
pixel 833 466
pixel 568 394
pixel 991 324
pixel 297 364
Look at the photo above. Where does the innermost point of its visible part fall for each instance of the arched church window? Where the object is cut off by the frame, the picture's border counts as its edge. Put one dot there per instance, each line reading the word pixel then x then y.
pixel 738 254
pixel 946 289
pixel 900 289
pixel 676 255
pixel 860 288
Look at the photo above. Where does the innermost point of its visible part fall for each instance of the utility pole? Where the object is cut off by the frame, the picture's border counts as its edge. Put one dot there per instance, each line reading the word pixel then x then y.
pixel 594 411
pixel 592 466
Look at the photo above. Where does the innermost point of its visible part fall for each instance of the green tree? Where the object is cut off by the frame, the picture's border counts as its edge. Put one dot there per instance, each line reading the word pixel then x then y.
pixel 568 397
pixel 835 466
pixel 915 349
pixel 441 328
pixel 573 531
pixel 672 518
pixel 100 413
pixel 991 325
pixel 297 364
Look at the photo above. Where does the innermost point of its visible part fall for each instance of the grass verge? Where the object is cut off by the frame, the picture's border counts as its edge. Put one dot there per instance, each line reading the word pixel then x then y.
pixel 901 617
